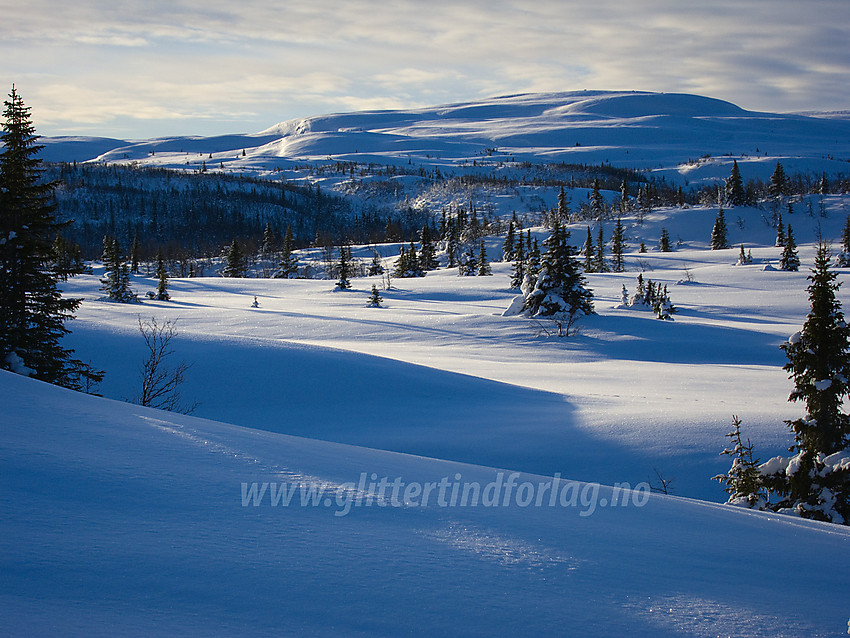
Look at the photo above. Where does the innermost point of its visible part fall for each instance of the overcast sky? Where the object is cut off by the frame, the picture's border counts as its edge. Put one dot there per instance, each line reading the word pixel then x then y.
pixel 139 69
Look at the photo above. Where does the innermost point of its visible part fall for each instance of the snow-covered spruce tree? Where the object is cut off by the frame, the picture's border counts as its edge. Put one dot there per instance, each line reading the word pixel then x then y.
pixel 815 483
pixel 843 260
pixel 234 261
pixel 719 239
pixel 780 230
pixel 116 281
pixel 375 298
pixel 510 245
pixel 589 252
pixel 597 203
pixel 743 480
pixel 408 263
pixel 559 293
pixel 789 260
pixel 269 240
pixel 735 195
pixel 533 253
pixel 664 242
pixel 618 246
pixel 162 278
pixel 599 262
pixel 427 250
pixel 468 264
pixel 484 269
pixel 744 258
pixel 343 268
pixel 288 264
pixel 519 270
pixel 563 207
pixel 376 266
pixel 32 310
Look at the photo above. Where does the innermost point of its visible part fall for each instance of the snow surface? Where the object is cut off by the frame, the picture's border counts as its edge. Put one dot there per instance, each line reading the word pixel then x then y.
pixel 120 520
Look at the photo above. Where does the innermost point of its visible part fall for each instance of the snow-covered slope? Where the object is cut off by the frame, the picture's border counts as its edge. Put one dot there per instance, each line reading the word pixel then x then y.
pixel 119 520
pixel 655 131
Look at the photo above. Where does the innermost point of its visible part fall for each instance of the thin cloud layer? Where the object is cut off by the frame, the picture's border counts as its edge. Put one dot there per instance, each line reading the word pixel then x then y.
pixel 185 66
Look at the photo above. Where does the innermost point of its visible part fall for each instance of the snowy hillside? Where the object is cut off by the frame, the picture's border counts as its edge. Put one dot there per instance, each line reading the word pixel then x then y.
pixel 119 520
pixel 667 133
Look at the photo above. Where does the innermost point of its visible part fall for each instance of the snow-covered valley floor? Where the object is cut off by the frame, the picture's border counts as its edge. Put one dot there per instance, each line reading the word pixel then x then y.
pixel 118 519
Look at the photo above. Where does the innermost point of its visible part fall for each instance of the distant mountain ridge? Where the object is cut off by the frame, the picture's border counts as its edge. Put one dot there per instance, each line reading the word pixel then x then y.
pixel 643 130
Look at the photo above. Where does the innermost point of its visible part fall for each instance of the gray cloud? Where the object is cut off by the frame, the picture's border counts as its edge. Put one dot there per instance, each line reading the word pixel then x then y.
pixel 190 66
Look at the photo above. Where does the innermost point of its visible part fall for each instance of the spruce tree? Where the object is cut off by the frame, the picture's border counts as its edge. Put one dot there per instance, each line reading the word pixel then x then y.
pixel 814 484
pixel 599 262
pixel 743 480
pixel 719 239
pixel 844 256
pixel 234 259
pixel 344 268
pixel 269 240
pixel 375 298
pixel 778 182
pixel 484 269
pixel 134 255
pixel 789 260
pixel 33 311
pixel 508 248
pixel 288 264
pixel 563 207
pixel 519 269
pixel 376 267
pixel 664 243
pixel 427 250
pixel 589 252
pixel 735 195
pixel 618 241
pixel 116 281
pixel 560 293
pixel 780 231
pixel 597 203
pixel 533 267
pixel 162 278
pixel 624 197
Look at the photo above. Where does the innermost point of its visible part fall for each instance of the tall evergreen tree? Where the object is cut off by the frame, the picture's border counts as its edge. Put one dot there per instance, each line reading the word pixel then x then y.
pixel 288 264
pixel 618 246
pixel 519 269
pixel 819 363
pixel 484 269
pixel 789 260
pixel 600 264
pixel 778 182
pixel 427 250
pixel 780 230
pixel 719 239
pixel 509 246
pixel 664 243
pixel 116 280
pixel 625 205
pixel 162 278
pixel 269 240
pixel 597 203
pixel 234 261
pixel 735 195
pixel 134 255
pixel 563 207
pixel 533 261
pixel 560 293
pixel 844 256
pixel 589 252
pixel 32 310
pixel 344 268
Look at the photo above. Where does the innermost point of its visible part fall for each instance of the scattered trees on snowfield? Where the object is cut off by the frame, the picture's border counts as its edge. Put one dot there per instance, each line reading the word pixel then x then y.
pixel 815 482
pixel 558 293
